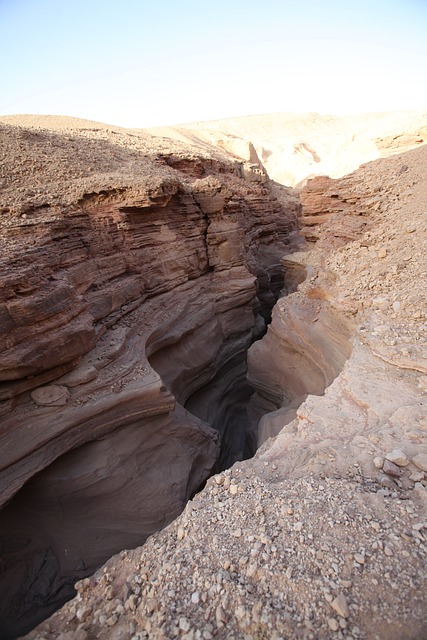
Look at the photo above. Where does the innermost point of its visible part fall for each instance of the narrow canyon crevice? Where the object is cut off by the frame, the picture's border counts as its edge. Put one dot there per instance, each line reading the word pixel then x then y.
pixel 73 515
pixel 42 526
pixel 140 355
pixel 212 383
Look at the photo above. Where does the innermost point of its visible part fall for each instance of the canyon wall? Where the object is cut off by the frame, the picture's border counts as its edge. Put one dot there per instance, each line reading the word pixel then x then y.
pixel 128 303
pixel 322 534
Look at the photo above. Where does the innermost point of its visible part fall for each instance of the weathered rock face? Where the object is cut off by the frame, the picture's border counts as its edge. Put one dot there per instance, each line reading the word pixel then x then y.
pixel 364 270
pixel 122 306
pixel 323 197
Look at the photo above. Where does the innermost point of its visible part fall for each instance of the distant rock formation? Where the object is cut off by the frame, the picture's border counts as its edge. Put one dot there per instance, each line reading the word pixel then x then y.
pixel 297 146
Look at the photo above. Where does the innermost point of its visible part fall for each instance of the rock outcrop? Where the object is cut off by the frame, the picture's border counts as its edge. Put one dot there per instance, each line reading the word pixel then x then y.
pixel 128 301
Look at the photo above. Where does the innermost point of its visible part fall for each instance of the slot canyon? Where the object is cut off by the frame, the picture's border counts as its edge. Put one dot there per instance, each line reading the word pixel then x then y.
pixel 178 332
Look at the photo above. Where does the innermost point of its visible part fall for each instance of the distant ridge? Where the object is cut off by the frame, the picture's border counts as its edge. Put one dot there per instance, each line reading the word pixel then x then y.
pixel 294 146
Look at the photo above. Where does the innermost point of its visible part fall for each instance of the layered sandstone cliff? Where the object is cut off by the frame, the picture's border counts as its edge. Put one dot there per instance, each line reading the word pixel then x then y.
pixel 128 302
pixel 323 533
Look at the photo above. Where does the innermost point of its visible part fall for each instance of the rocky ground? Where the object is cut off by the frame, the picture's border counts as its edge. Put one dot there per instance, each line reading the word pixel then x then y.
pixel 256 555
pixel 378 217
pixel 323 534
pixel 58 159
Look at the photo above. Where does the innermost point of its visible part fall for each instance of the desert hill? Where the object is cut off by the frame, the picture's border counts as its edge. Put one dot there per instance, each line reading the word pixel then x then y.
pixel 294 146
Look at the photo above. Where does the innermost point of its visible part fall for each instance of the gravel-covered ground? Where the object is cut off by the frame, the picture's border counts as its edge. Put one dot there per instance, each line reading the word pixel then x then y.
pixel 256 556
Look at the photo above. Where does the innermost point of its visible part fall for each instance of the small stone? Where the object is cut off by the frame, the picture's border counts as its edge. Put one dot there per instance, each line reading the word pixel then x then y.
pixel 397 456
pixel 180 534
pixel 240 612
pixel 388 552
pixel 184 625
pixel 132 602
pixel 420 461
pixel 234 488
pixel 333 624
pixel 378 462
pixel 52 396
pixel 83 613
pixel 391 469
pixel 220 616
pixel 298 526
pixel 112 620
pixel 382 252
pixel 78 376
pixel 195 597
pixel 406 536
pixel 360 559
pixel 417 476
pixel 237 533
pixel 385 481
pixel 340 606
pixel 219 479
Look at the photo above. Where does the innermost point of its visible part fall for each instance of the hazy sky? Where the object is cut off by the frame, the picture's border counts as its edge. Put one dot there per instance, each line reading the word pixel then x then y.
pixel 144 63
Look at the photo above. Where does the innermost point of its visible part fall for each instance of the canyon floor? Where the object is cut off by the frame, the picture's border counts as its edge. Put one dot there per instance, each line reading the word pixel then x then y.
pixel 323 533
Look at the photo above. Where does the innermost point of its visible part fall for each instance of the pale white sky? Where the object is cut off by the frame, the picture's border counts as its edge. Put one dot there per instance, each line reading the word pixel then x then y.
pixel 139 63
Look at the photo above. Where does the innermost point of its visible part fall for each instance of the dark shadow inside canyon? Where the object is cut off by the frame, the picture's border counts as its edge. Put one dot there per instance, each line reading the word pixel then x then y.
pixel 87 505
pixel 72 516
pixel 221 396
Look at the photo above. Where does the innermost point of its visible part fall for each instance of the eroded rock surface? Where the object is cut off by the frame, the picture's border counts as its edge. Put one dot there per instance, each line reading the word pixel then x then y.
pixel 323 533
